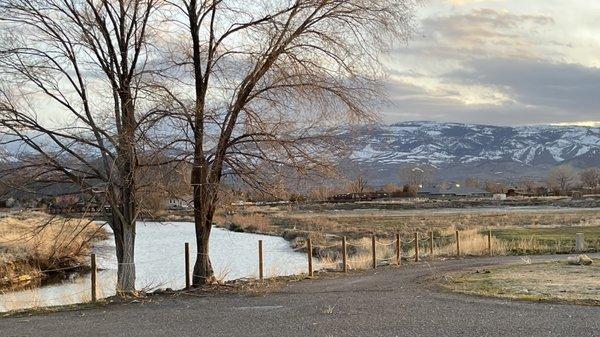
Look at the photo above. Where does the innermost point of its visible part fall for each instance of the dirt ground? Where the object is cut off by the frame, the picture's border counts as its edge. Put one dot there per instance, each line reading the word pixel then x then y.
pixel 550 281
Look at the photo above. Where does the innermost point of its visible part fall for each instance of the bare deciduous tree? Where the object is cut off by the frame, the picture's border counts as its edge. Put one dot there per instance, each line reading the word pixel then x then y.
pixel 590 178
pixel 359 185
pixel 272 81
pixel 72 84
pixel 561 179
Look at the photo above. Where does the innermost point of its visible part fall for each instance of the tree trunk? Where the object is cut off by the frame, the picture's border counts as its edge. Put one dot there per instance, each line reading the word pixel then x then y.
pixel 126 163
pixel 125 244
pixel 203 271
pixel 204 201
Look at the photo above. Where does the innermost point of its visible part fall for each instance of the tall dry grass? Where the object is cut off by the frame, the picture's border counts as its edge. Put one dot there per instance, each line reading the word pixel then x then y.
pixel 31 243
pixel 244 222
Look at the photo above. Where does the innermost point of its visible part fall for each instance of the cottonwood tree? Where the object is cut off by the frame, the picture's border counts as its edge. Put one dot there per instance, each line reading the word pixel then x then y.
pixel 561 179
pixel 359 185
pixel 590 177
pixel 271 82
pixel 71 73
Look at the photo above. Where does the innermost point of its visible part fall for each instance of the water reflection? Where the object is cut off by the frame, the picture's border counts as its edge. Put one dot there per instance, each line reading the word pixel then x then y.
pixel 160 264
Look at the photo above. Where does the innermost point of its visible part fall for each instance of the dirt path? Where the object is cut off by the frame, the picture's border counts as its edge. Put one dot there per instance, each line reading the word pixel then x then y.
pixel 385 302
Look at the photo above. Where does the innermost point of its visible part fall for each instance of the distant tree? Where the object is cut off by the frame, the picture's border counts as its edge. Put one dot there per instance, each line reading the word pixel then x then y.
pixel 417 174
pixel 359 185
pixel 590 178
pixel 410 190
pixel 561 179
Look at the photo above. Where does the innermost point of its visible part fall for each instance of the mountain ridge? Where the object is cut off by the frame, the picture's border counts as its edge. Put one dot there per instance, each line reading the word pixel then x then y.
pixel 519 150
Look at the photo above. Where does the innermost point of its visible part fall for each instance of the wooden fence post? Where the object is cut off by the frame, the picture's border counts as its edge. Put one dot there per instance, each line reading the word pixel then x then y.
pixel 374 253
pixel 431 244
pixel 398 249
pixel 310 265
pixel 416 247
pixel 457 244
pixel 344 255
pixel 94 277
pixel 187 266
pixel 260 259
pixel 490 242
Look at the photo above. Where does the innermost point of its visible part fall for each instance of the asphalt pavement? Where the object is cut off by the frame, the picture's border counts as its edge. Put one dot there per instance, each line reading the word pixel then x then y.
pixel 385 302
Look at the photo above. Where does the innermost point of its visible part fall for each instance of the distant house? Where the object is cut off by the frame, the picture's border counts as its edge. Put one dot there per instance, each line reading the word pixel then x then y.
pixel 179 203
pixel 453 191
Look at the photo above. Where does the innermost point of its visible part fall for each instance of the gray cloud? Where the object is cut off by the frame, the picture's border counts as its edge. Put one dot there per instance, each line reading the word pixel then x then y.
pixel 571 88
pixel 488 51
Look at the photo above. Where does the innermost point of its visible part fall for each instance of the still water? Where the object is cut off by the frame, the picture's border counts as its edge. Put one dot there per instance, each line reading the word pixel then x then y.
pixel 160 264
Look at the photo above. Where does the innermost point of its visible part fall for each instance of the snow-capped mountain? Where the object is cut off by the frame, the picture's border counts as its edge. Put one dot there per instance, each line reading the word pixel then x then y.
pixel 479 150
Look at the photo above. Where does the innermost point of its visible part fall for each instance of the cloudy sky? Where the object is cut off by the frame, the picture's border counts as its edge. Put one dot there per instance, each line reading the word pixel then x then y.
pixel 502 62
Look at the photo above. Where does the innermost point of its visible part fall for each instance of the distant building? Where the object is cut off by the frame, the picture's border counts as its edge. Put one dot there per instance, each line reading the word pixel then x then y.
pixel 179 203
pixel 453 191
pixel 499 196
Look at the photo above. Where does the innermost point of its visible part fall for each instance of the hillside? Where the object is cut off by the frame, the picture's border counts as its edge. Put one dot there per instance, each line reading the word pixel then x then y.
pixel 460 150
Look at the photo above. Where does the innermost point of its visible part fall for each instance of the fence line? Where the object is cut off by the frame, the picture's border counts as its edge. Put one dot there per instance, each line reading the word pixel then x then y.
pixel 346 262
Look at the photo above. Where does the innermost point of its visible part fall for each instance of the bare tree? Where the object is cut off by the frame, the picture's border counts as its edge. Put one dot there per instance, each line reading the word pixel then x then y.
pixel 72 85
pixel 561 179
pixel 590 178
pixel 359 185
pixel 272 81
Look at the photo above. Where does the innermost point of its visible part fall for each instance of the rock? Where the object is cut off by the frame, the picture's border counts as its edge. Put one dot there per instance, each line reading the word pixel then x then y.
pixel 581 260
pixel 584 260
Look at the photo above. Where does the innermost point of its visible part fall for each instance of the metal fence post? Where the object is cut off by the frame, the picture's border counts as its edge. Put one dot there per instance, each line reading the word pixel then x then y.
pixel 310 264
pixel 187 266
pixel 94 277
pixel 398 249
pixel 260 259
pixel 344 255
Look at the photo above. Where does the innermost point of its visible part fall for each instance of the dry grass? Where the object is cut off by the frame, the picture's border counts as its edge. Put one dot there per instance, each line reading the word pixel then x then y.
pixel 551 281
pixel 244 222
pixel 31 243
pixel 515 231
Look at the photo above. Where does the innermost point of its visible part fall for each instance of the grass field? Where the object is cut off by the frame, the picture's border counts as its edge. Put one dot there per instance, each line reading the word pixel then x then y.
pixel 551 281
pixel 515 231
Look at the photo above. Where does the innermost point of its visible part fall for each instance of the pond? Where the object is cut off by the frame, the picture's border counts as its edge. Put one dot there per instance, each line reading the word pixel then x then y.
pixel 160 264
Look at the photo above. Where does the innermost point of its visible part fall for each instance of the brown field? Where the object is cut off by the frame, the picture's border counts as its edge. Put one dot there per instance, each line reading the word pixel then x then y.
pixel 516 231
pixel 34 246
